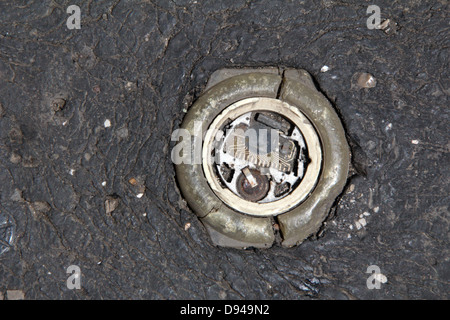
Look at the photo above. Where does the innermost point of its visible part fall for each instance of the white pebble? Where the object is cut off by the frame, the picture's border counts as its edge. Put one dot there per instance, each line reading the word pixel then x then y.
pixel 324 69
pixel 104 183
pixel 129 85
pixel 363 222
pixel 139 195
pixel 415 141
pixel 360 223
pixel 107 123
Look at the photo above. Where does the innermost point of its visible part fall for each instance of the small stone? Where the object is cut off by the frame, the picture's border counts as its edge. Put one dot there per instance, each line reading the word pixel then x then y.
pixel 138 187
pixel 15 158
pixel 388 26
pixel 415 141
pixel 58 104
pixel 384 24
pixel 104 183
pixel 187 101
pixel 17 195
pixel 364 214
pixel 15 295
pixel 96 89
pixel 376 209
pixel 130 86
pixel 366 80
pixel 40 206
pixel 107 123
pixel 324 69
pixel 111 204
pixel 360 223
pixel 187 226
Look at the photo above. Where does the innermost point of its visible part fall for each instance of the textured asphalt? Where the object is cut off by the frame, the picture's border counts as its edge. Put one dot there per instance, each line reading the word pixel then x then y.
pixel 136 65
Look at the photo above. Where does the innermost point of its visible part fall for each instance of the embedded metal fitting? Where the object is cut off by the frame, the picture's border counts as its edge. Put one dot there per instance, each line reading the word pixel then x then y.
pixel 273 152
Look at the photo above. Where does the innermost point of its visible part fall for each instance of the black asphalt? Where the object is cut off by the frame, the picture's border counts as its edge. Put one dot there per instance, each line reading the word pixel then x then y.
pixel 138 64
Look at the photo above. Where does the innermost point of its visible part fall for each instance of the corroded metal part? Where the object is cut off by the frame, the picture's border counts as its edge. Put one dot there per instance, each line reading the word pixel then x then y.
pixel 306 219
pixel 231 227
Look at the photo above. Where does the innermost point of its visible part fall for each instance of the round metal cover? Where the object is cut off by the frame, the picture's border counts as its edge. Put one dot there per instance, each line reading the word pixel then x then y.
pixel 248 143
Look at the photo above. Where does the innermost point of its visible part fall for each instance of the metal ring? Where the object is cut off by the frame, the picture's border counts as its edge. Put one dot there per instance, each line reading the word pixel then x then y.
pixel 307 183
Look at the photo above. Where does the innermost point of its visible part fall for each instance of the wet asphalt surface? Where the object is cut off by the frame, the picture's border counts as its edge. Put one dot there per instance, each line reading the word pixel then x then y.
pixel 136 65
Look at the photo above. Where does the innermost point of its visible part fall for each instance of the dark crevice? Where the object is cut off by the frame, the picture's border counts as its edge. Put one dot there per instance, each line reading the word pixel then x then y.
pixel 280 88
